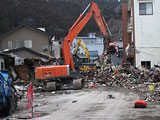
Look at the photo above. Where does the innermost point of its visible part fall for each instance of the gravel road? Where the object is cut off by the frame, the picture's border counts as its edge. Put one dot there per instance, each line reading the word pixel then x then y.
pixel 94 104
pixel 87 104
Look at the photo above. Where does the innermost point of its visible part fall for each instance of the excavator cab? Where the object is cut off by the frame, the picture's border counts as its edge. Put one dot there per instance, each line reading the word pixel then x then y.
pixel 84 65
pixel 83 59
pixel 77 63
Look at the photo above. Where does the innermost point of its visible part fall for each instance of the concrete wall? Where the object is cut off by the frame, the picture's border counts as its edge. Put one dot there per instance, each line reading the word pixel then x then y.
pixel 147 34
pixel 39 40
pixel 56 48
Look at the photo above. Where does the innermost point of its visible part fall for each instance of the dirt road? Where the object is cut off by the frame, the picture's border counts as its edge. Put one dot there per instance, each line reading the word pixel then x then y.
pixel 93 104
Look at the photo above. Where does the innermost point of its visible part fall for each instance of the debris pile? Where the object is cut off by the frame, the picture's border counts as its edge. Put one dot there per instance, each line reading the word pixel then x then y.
pixel 144 81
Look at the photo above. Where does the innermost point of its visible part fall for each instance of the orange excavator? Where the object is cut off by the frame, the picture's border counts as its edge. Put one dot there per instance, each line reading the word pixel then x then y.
pixel 60 75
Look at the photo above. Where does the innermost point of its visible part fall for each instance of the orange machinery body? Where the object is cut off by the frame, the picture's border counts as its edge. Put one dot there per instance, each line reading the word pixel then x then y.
pixel 45 72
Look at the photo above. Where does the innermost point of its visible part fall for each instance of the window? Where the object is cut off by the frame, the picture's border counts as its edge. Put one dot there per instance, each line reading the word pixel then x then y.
pixel 146 8
pixel 20 44
pixel 146 64
pixel 9 44
pixel 45 48
pixel 93 53
pixel 28 43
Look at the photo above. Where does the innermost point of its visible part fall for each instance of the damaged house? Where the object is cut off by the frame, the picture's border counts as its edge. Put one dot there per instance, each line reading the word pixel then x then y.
pixel 30 48
pixel 6 61
pixel 2 65
pixel 141 27
pixel 25 36
pixel 2 61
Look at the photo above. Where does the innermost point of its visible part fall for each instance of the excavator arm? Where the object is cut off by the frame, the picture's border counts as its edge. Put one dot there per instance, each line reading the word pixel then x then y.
pixel 80 42
pixel 78 26
pixel 77 46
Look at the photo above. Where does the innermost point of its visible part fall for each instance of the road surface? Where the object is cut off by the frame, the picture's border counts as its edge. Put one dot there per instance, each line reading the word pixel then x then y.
pixel 90 104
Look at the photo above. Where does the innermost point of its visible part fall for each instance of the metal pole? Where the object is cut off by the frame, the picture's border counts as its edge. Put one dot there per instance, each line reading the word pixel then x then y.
pixel 32 102
pixel 32 110
pixel 86 8
pixel 109 31
pixel 81 15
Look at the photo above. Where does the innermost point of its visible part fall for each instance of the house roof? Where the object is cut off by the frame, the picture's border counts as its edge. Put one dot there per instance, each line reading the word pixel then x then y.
pixel 2 54
pixel 27 26
pixel 5 55
pixel 29 50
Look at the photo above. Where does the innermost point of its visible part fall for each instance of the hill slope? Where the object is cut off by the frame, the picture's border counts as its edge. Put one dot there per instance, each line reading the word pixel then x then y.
pixel 57 16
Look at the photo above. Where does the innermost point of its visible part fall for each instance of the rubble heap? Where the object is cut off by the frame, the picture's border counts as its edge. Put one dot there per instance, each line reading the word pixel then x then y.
pixel 144 81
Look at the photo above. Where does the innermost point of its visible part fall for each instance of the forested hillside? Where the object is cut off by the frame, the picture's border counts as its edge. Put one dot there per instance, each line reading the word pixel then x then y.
pixel 57 16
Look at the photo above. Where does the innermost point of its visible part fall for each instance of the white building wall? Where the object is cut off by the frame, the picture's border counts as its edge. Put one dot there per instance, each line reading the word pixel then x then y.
pixel 92 44
pixel 147 34
pixel 56 48
pixel 95 47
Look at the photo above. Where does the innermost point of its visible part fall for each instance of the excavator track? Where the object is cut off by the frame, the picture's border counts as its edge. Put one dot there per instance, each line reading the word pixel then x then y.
pixel 77 84
pixel 50 86
pixel 55 85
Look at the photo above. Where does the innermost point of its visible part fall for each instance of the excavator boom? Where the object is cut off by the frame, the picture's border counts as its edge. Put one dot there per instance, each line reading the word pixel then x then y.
pixel 78 26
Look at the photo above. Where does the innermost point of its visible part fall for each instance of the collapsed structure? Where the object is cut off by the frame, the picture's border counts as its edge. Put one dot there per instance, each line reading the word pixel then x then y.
pixel 144 81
